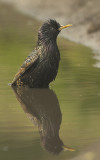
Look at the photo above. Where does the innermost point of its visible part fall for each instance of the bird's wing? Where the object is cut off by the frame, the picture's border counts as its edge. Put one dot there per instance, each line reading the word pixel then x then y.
pixel 31 59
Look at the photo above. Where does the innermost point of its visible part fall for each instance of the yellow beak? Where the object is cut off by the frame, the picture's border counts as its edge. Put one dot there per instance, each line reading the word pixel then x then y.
pixel 68 149
pixel 62 27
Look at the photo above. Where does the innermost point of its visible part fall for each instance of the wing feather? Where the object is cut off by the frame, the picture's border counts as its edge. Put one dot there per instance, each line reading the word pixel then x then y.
pixel 29 61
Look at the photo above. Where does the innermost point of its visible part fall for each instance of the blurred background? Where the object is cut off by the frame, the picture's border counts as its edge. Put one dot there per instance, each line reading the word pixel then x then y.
pixel 76 89
pixel 84 15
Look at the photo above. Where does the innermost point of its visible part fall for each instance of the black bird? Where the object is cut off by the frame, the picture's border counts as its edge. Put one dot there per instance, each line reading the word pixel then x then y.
pixel 41 66
pixel 42 108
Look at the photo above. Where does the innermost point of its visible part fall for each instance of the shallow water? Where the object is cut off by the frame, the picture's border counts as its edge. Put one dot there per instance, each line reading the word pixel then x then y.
pixel 68 113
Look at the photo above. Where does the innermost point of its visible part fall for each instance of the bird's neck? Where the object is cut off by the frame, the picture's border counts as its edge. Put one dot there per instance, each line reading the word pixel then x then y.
pixel 46 40
pixel 49 46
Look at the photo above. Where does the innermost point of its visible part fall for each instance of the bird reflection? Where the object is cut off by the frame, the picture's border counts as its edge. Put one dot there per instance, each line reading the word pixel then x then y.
pixel 42 107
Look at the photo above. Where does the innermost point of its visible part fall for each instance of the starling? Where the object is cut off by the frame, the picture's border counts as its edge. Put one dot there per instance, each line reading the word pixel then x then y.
pixel 41 106
pixel 41 66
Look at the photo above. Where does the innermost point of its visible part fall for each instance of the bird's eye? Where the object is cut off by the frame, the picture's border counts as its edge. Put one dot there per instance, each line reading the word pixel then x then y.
pixel 52 28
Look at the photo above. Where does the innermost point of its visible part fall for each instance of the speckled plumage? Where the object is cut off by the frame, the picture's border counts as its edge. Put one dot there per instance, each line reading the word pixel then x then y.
pixel 41 66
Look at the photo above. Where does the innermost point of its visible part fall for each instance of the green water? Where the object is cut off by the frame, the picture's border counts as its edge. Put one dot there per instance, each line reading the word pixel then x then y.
pixel 76 90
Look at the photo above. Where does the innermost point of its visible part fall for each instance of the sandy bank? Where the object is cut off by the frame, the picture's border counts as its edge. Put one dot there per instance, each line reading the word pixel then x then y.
pixel 84 15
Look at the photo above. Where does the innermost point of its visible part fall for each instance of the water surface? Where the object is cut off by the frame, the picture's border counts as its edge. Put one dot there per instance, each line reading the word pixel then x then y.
pixel 72 115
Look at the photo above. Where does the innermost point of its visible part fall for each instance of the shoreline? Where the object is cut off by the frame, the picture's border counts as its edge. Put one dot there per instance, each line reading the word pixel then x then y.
pixel 83 16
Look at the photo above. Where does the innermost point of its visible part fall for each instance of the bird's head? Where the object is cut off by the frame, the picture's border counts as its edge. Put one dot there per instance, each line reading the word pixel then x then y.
pixel 50 30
